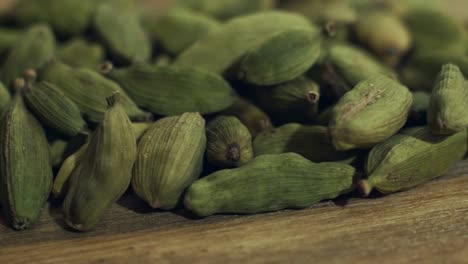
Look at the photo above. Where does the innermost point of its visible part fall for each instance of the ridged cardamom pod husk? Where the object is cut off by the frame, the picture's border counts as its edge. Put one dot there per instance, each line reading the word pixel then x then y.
pixel 311 142
pixel 370 113
pixel 294 101
pixel 157 88
pixel 226 9
pixel 26 171
pixel 52 106
pixel 80 53
pixel 179 28
pixel 33 49
pixel 254 118
pixel 104 171
pixel 8 38
pixel 235 38
pixel 88 89
pixel 269 183
pixel 449 102
pixel 322 11
pixel 5 98
pixel 121 31
pixel 411 158
pixel 68 17
pixel 170 158
pixel 229 143
pixel 282 57
pixel 385 34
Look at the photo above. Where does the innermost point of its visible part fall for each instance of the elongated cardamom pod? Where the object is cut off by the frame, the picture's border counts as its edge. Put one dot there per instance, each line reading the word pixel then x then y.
pixel 269 183
pixel 157 88
pixel 88 89
pixel 229 143
pixel 81 54
pixel 449 102
pixel 33 49
pixel 104 171
pixel 370 113
pixel 411 158
pixel 170 158
pixel 26 172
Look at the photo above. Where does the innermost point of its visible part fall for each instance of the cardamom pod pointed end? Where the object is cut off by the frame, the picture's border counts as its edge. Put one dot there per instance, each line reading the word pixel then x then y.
pixel 233 153
pixel 20 83
pixel 106 67
pixel 30 75
pixel 313 97
pixel 364 188
pixel 115 97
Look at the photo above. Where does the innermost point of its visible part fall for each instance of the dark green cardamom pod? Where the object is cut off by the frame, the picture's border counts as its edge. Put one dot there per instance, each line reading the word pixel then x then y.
pixel 26 172
pixel 8 38
pixel 373 111
pixel 294 101
pixel 311 142
pixel 449 102
pixel 88 89
pixel 229 143
pixel 178 29
pixel 52 106
pixel 33 49
pixel 121 31
pixel 105 170
pixel 411 158
pixel 281 58
pixel 170 158
pixel 81 54
pixel 5 98
pixel 254 118
pixel 226 9
pixel 269 183
pixel 157 88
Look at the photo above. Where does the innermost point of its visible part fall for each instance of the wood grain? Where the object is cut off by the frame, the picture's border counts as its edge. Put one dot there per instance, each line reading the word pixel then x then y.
pixel 428 224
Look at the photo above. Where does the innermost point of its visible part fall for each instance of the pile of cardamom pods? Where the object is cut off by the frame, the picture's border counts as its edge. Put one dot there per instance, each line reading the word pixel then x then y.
pixel 226 106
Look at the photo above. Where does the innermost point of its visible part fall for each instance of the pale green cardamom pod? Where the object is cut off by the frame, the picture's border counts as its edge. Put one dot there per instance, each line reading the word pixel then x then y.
pixel 81 54
pixel 269 183
pixel 170 158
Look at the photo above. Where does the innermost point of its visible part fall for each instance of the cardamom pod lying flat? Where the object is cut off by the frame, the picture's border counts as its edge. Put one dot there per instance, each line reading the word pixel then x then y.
pixel 157 88
pixel 449 102
pixel 370 113
pixel 269 183
pixel 104 171
pixel 26 173
pixel 81 54
pixel 170 158
pixel 410 159
pixel 229 143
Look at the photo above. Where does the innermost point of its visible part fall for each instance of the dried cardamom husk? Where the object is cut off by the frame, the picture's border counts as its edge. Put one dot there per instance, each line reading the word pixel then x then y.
pixel 370 113
pixel 81 54
pixel 449 102
pixel 33 49
pixel 411 158
pixel 226 9
pixel 254 118
pixel 311 142
pixel 104 171
pixel 229 143
pixel 269 183
pixel 282 57
pixel 88 89
pixel 170 158
pixel 167 90
pixel 26 173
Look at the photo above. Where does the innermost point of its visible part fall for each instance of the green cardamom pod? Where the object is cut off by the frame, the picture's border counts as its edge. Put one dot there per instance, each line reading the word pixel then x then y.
pixel 294 101
pixel 269 183
pixel 33 49
pixel 157 88
pixel 372 112
pixel 26 172
pixel 226 9
pixel 5 98
pixel 52 106
pixel 122 32
pixel 254 118
pixel 229 143
pixel 170 158
pixel 88 90
pixel 81 54
pixel 178 29
pixel 105 170
pixel 410 159
pixel 322 11
pixel 61 148
pixel 449 102
pixel 8 38
pixel 282 57
pixel 312 142
pixel 217 51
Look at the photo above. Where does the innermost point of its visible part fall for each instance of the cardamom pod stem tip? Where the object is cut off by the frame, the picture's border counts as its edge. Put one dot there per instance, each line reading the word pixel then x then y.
pixel 364 188
pixel 233 152
pixel 106 67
